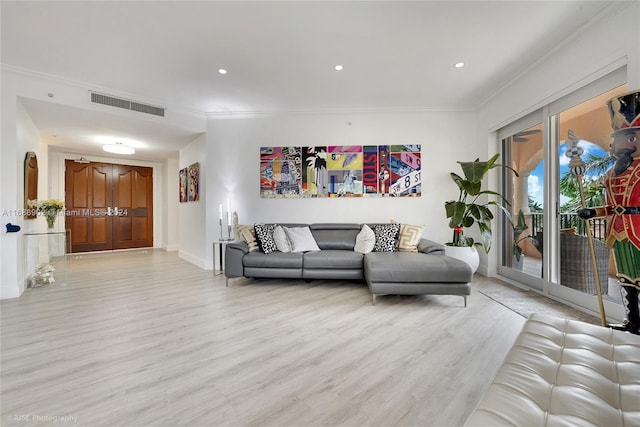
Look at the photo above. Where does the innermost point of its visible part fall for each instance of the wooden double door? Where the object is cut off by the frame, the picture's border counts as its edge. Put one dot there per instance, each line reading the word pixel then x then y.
pixel 108 206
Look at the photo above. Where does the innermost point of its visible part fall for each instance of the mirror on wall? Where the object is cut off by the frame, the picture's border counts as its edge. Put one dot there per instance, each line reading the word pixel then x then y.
pixel 30 185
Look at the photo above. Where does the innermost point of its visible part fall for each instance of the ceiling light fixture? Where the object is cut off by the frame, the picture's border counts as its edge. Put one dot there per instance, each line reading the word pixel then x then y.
pixel 222 71
pixel 459 64
pixel 338 68
pixel 118 148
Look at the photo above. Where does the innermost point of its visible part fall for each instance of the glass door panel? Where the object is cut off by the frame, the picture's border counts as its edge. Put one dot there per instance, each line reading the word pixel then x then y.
pixel 521 249
pixel 589 124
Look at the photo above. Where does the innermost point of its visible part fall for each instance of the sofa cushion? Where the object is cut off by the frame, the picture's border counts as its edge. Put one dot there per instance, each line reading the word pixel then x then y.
pixel 301 239
pixel 273 260
pixel 335 236
pixel 281 240
pixel 333 259
pixel 409 237
pixel 365 240
pixel 415 267
pixel 386 237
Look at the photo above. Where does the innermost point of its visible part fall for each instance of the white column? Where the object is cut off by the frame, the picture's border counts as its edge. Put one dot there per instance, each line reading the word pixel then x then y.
pixel 521 193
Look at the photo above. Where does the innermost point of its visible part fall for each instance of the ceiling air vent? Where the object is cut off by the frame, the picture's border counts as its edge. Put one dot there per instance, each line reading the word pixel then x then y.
pixel 112 101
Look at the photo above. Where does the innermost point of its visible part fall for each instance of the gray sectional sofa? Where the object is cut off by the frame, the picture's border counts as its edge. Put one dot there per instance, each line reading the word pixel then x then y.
pixel 428 271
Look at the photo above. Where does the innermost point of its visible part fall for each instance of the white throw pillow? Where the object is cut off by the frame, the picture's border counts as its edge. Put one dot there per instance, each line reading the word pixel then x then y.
pixel 365 240
pixel 301 239
pixel 281 239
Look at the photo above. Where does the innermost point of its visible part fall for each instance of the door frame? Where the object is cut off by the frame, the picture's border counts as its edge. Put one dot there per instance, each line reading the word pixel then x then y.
pixel 56 186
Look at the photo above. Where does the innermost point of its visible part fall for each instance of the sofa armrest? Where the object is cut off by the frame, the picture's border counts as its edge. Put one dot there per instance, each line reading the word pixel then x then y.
pixel 427 246
pixel 239 245
pixel 234 252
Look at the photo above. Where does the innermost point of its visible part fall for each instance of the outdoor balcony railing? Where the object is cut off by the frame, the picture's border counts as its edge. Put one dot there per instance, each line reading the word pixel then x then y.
pixel 572 220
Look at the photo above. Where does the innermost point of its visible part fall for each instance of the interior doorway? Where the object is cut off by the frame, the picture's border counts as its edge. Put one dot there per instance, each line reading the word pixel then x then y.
pixel 108 206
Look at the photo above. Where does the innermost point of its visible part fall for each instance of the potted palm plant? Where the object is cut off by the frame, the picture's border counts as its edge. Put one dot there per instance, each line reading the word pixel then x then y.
pixel 471 208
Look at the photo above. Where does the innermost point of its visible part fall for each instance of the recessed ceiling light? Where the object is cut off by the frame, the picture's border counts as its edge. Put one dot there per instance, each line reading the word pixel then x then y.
pixel 459 64
pixel 222 71
pixel 118 148
pixel 338 68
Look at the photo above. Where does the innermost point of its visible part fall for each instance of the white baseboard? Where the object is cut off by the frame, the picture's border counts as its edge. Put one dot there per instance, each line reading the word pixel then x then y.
pixel 192 259
pixel 170 248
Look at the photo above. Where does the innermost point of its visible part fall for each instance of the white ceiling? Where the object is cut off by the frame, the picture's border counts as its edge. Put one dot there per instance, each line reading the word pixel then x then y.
pixel 279 56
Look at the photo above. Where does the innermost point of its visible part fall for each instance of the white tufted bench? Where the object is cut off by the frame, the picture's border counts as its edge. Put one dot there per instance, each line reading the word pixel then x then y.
pixel 565 373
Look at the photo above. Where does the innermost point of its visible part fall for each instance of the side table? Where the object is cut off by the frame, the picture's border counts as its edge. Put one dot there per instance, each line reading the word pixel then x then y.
pixel 221 245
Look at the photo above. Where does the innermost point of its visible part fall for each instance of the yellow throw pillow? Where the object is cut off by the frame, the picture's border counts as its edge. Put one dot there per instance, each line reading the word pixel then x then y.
pixel 248 234
pixel 410 236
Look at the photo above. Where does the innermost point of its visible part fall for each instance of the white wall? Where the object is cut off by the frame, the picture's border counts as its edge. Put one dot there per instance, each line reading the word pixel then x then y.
pixel 606 45
pixel 171 193
pixel 192 221
pixel 18 137
pixel 233 156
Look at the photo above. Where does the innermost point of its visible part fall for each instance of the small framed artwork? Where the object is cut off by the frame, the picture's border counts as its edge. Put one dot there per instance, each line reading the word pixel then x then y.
pixel 194 182
pixel 183 185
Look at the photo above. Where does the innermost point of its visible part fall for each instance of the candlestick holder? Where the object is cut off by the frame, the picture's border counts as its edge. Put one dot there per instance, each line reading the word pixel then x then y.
pixel 220 221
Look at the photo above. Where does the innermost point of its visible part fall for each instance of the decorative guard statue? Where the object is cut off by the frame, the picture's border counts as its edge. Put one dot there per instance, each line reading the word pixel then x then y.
pixel 622 185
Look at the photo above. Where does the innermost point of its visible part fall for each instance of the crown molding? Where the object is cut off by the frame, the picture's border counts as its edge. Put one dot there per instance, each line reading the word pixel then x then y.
pixel 329 111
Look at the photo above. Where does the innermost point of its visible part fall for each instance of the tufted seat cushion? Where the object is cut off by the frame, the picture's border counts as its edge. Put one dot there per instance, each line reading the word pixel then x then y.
pixel 564 372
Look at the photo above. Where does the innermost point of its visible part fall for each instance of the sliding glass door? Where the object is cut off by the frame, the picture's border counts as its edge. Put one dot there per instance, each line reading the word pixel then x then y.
pixel 523 152
pixel 585 126
pixel 544 244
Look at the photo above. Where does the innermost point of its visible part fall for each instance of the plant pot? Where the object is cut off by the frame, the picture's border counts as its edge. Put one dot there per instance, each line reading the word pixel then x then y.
pixel 468 254
pixel 51 222
pixel 518 264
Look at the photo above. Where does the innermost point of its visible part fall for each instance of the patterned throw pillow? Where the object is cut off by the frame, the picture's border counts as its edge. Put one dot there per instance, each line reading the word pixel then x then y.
pixel 264 235
pixel 248 234
pixel 281 239
pixel 410 236
pixel 365 240
pixel 386 237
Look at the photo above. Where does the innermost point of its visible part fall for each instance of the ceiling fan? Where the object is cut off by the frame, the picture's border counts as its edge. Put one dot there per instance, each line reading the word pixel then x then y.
pixel 521 136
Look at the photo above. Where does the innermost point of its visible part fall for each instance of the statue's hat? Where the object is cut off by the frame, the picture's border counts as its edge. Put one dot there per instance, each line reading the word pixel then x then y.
pixel 625 111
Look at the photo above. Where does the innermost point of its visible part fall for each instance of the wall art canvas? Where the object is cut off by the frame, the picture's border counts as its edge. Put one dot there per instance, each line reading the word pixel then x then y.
pixel 314 171
pixel 341 171
pixel 280 172
pixel 194 182
pixel 183 185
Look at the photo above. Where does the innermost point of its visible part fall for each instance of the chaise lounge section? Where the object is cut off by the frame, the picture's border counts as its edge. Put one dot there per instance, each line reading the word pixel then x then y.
pixel 426 271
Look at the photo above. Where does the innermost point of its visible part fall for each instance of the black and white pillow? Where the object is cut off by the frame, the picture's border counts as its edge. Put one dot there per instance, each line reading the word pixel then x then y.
pixel 264 235
pixel 386 237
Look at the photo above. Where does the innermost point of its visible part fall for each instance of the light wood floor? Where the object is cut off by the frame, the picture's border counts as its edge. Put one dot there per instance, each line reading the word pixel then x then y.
pixel 146 339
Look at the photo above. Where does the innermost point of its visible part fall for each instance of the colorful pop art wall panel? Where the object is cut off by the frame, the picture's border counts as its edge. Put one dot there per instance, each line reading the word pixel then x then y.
pixel 341 171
